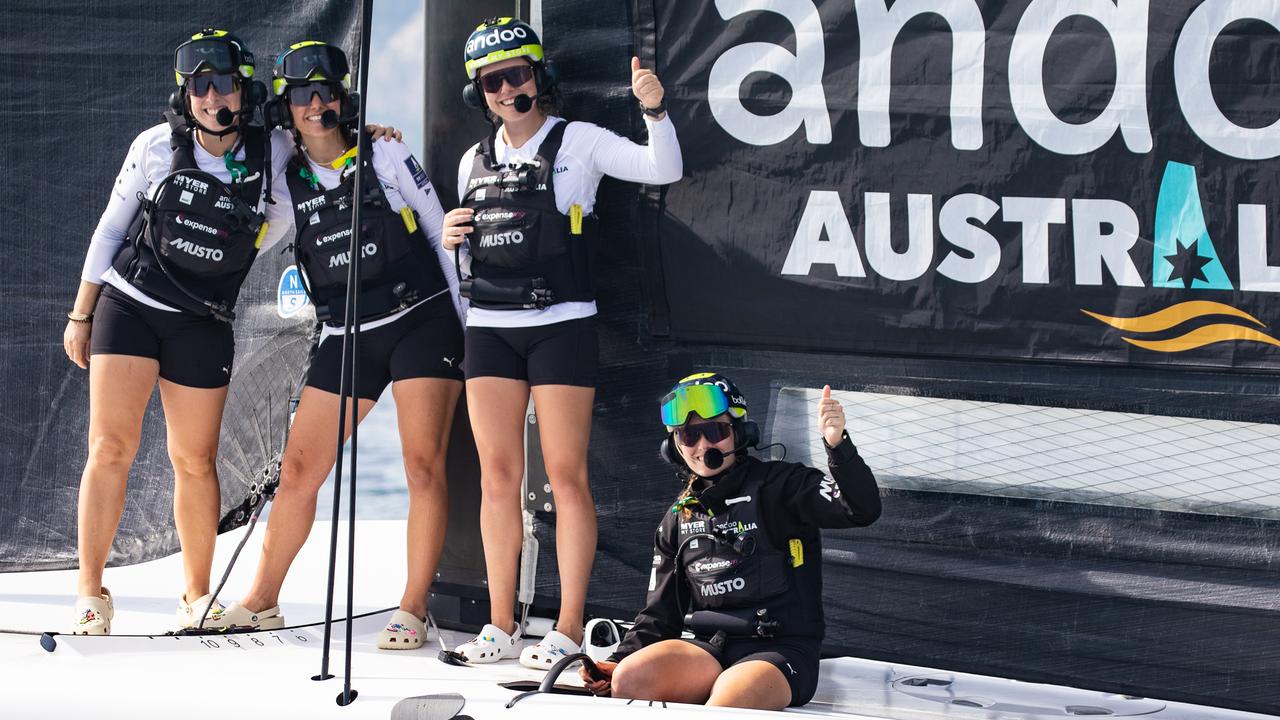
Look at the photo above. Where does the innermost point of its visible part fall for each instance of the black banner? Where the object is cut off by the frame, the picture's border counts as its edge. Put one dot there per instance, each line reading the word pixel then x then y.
pixel 1082 180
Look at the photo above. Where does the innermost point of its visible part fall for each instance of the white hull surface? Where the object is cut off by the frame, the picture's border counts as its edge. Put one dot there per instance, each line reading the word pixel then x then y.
pixel 268 674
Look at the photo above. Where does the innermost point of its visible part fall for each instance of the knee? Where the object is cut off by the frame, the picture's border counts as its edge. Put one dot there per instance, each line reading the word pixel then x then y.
pixel 194 464
pixel 627 681
pixel 112 451
pixel 500 480
pixel 567 475
pixel 425 473
pixel 297 476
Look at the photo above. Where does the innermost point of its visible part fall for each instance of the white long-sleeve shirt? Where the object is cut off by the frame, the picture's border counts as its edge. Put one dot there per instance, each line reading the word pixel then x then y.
pixel 587 153
pixel 150 160
pixel 405 183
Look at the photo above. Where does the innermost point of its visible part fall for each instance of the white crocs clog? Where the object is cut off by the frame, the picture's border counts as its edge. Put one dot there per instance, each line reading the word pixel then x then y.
pixel 189 614
pixel 548 651
pixel 491 645
pixel 94 614
pixel 403 632
pixel 238 617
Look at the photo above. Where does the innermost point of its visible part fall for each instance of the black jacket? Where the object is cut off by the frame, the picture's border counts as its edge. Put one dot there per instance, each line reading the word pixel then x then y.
pixel 796 501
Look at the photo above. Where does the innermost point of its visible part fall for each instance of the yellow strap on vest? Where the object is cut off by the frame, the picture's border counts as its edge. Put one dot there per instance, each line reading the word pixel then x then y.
pixel 262 233
pixel 410 223
pixel 575 219
pixel 797 552
pixel 343 159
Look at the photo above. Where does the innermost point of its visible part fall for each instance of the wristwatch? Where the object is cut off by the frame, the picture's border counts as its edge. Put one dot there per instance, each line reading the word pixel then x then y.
pixel 653 112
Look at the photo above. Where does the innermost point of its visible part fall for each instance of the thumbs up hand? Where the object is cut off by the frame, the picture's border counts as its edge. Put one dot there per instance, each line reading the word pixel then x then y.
pixel 830 418
pixel 645 85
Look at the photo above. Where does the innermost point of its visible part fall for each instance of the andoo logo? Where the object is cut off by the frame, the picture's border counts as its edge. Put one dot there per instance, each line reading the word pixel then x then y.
pixel 723 587
pixel 496 36
pixel 200 251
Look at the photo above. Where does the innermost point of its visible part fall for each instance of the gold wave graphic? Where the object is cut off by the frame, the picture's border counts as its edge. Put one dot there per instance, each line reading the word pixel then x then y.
pixel 1173 315
pixel 1206 335
pixel 1199 337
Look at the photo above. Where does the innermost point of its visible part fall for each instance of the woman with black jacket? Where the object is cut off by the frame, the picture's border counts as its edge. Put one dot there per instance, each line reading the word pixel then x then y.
pixel 738 560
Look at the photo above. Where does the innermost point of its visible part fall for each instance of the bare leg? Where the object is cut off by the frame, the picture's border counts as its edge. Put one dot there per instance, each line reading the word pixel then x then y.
pixel 424 412
pixel 193 419
pixel 671 671
pixel 497 406
pixel 564 422
pixel 308 458
pixel 752 684
pixel 119 388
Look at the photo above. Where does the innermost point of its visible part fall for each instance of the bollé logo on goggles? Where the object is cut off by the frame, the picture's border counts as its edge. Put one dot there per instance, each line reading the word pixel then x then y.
pixel 496 36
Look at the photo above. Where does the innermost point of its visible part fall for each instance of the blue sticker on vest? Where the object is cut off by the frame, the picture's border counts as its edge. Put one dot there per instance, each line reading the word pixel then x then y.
pixel 291 297
pixel 419 175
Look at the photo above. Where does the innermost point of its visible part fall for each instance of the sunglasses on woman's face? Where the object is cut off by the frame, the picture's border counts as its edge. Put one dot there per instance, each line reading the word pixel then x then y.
pixel 223 84
pixel 300 95
pixel 516 75
pixel 688 435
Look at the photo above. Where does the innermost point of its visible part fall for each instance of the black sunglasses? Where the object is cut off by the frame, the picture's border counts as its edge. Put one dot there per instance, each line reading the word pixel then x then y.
pixel 714 432
pixel 516 75
pixel 300 95
pixel 225 84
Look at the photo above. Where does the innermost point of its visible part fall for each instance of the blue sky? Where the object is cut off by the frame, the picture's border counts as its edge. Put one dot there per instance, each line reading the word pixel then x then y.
pixel 395 74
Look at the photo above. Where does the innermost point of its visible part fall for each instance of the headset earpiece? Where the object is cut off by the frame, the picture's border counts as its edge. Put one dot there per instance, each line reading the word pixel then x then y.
pixel 255 93
pixel 177 102
pixel 549 77
pixel 748 434
pixel 471 97
pixel 668 453
pixel 275 113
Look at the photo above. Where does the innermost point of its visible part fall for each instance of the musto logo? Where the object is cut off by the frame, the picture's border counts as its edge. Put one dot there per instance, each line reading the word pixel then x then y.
pixel 511 237
pixel 194 250
pixel 723 587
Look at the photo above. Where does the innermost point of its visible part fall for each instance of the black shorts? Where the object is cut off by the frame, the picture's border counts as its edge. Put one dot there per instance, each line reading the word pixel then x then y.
pixel 563 353
pixel 426 343
pixel 796 658
pixel 192 351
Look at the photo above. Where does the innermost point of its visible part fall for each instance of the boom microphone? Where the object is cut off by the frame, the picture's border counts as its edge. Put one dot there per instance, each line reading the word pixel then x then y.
pixel 523 103
pixel 225 116
pixel 329 119
pixel 713 459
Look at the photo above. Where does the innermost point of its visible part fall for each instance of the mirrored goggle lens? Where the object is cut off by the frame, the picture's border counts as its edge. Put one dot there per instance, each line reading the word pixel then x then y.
pixel 197 55
pixel 689 435
pixel 224 84
pixel 515 76
pixel 707 401
pixel 313 61
pixel 300 95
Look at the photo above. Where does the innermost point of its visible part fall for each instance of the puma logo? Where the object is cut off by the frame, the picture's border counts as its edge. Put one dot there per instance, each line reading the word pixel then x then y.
pixel 448 361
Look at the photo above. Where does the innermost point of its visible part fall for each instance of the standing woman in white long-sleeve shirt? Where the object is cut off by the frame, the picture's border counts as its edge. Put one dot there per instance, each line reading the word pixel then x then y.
pixel 528 191
pixel 410 329
pixel 157 294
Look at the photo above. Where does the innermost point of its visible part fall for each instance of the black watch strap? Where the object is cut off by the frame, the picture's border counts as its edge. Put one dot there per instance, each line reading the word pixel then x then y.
pixel 653 112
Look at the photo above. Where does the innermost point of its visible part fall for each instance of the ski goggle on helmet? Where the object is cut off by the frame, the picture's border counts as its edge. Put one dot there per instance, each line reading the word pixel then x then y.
pixel 215 51
pixel 310 61
pixel 707 394
pixel 498 39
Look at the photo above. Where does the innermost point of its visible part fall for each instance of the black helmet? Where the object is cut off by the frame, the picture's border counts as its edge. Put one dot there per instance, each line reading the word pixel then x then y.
pixel 498 39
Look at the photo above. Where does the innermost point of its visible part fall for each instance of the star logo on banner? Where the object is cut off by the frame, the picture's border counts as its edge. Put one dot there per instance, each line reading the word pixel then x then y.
pixel 1188 265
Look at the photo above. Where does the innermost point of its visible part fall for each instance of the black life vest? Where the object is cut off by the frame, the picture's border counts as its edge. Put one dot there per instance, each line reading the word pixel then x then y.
pixel 397 265
pixel 520 234
pixel 727 560
pixel 192 243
